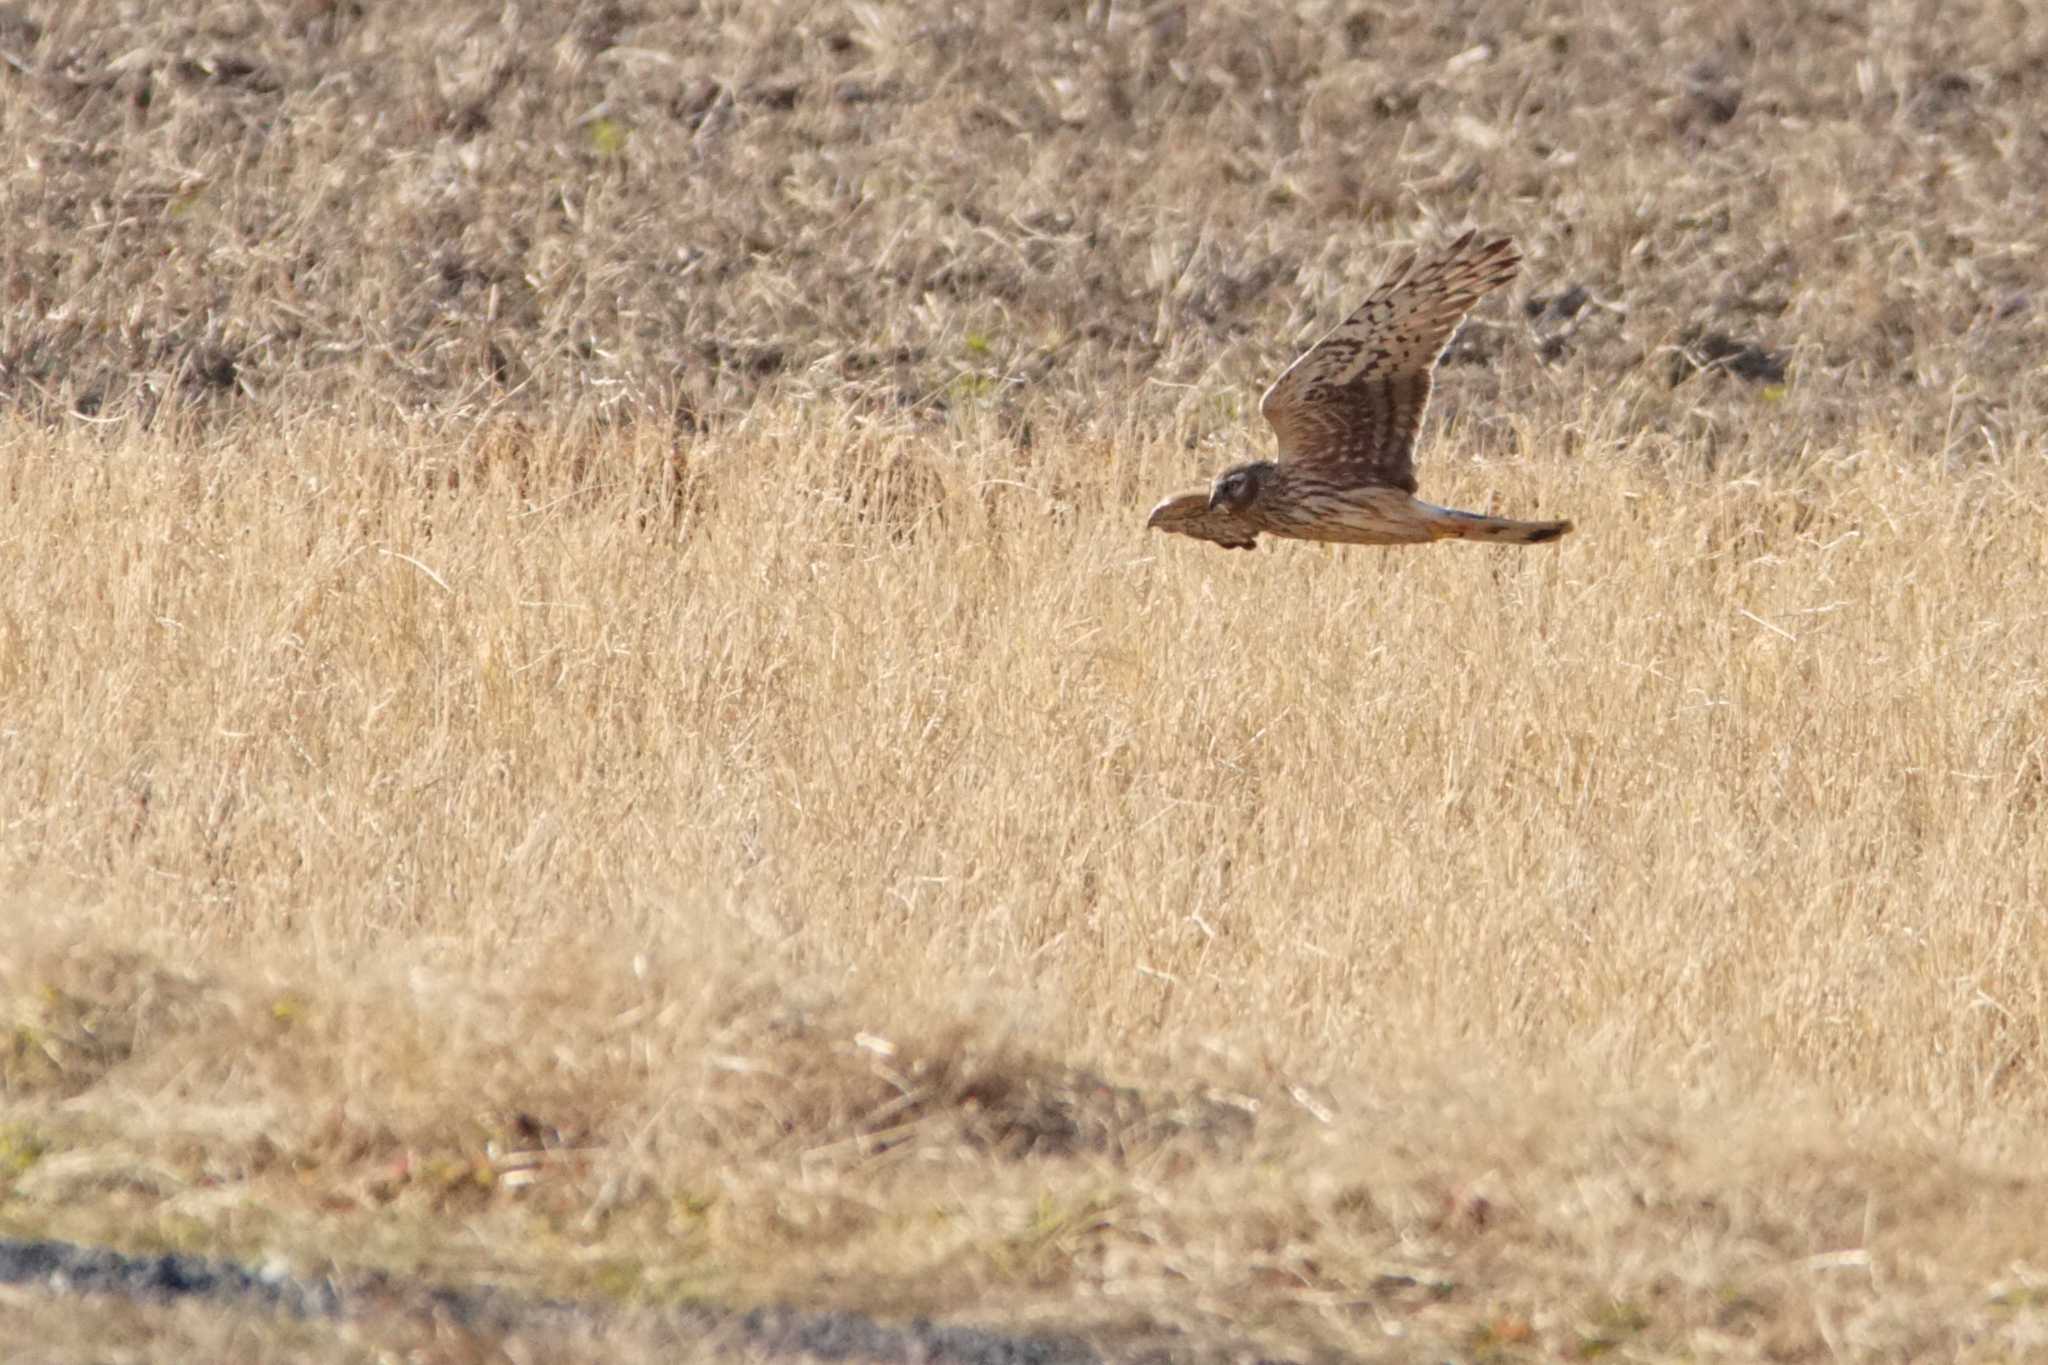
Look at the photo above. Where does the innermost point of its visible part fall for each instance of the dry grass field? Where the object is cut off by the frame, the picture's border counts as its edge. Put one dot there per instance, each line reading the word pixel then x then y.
pixel 585 704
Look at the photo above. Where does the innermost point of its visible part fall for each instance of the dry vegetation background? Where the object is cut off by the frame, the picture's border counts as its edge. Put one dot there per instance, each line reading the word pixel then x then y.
pixel 584 701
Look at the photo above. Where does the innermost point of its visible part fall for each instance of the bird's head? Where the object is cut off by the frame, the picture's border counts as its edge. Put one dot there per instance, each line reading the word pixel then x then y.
pixel 1179 511
pixel 1239 488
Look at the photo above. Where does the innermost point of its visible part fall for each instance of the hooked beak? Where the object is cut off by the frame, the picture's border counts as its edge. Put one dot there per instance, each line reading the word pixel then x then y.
pixel 1215 496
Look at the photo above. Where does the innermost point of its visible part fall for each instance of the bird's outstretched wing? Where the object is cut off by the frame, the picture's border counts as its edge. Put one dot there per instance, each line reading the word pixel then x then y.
pixel 1189 514
pixel 1353 403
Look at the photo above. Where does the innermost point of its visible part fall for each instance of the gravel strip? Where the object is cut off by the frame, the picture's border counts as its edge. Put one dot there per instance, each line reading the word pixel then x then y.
pixel 67 1268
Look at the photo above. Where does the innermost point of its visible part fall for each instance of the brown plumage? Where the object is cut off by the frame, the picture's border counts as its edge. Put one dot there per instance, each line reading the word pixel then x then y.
pixel 1347 413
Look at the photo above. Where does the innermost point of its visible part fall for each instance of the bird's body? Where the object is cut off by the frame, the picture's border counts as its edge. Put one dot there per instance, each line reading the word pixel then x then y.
pixel 1306 507
pixel 1347 413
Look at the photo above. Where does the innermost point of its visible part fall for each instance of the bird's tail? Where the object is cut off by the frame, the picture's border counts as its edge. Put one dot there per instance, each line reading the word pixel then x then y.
pixel 1447 523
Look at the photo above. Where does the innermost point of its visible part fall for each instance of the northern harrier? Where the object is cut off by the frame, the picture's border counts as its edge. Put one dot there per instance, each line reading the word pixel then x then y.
pixel 1347 413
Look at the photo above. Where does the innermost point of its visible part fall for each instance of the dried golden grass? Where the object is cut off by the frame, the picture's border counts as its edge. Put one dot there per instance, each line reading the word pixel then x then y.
pixel 930 894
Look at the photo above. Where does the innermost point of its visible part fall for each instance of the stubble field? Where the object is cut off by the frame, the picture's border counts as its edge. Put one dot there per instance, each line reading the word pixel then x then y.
pixel 585 704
